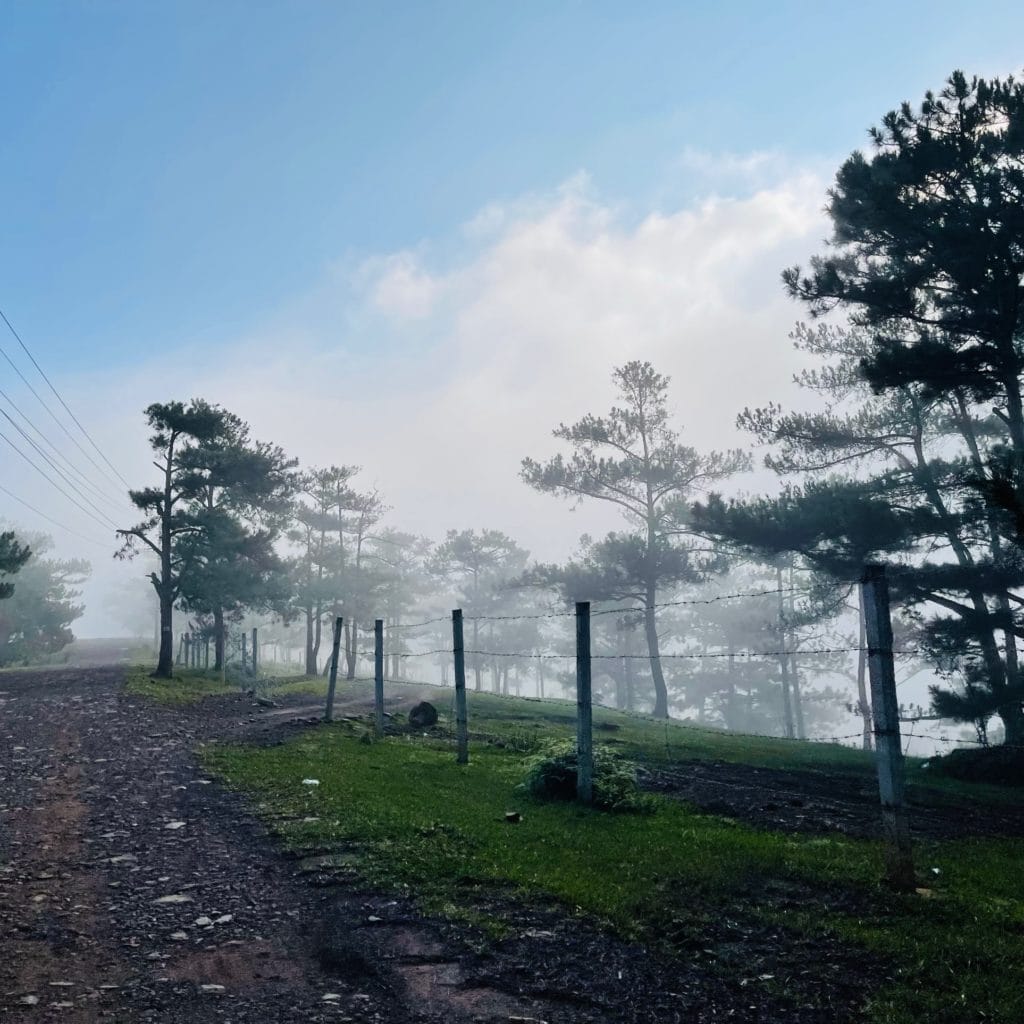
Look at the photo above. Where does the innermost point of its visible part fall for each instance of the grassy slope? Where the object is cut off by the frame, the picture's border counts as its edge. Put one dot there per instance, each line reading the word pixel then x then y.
pixel 408 817
pixel 186 686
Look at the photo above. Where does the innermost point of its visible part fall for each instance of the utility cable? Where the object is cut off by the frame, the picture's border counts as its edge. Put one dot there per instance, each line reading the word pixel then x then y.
pixel 50 519
pixel 99 492
pixel 53 483
pixel 73 439
pixel 53 465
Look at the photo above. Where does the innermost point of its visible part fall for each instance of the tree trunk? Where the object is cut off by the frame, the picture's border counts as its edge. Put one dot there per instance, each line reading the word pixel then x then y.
pixel 798 704
pixel 476 657
pixel 351 638
pixel 630 702
pixel 654 651
pixel 310 644
pixel 787 703
pixel 862 667
pixel 165 661
pixel 218 639
pixel 730 694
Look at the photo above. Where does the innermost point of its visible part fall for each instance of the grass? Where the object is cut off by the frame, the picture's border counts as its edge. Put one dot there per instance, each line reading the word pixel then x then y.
pixel 186 686
pixel 415 822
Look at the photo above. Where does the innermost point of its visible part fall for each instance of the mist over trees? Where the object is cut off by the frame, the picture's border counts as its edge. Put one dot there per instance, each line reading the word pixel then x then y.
pixel 38 608
pixel 716 606
pixel 917 458
pixel 632 458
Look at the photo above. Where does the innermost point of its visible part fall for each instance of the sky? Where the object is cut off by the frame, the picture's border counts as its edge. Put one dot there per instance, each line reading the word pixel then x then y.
pixel 417 236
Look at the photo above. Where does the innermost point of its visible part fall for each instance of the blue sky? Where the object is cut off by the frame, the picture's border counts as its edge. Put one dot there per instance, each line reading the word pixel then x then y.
pixel 416 236
pixel 181 171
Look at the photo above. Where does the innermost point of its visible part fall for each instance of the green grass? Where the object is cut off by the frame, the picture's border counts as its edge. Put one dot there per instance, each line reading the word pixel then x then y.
pixel 412 820
pixel 186 686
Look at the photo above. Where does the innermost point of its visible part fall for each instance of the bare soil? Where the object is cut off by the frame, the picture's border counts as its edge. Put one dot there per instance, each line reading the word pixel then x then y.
pixel 134 888
pixel 788 800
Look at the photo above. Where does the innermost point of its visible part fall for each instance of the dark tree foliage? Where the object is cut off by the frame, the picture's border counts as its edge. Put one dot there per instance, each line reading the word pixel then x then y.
pixel 927 261
pixel 215 481
pixel 13 555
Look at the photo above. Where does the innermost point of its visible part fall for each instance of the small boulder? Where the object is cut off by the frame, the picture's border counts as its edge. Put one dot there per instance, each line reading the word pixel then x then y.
pixel 423 715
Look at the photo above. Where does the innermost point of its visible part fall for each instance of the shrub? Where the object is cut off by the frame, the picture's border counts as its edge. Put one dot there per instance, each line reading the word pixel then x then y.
pixel 551 775
pixel 1001 765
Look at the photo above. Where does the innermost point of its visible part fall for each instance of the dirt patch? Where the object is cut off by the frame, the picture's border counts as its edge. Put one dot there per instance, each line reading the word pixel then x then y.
pixel 820 803
pixel 237 967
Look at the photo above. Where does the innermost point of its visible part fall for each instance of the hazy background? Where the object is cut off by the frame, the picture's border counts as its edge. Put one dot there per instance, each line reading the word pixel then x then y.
pixel 415 237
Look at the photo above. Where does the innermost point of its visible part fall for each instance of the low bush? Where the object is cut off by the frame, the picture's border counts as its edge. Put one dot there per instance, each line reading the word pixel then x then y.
pixel 551 775
pixel 1001 765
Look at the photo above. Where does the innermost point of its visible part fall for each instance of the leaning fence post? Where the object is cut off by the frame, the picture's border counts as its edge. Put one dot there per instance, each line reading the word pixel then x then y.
pixel 378 675
pixel 332 681
pixel 461 719
pixel 885 715
pixel 584 707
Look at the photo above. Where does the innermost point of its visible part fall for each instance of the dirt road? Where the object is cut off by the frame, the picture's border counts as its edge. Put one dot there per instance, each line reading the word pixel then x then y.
pixel 134 888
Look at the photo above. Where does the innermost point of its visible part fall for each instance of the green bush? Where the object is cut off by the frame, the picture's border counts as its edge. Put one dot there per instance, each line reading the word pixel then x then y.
pixel 551 775
pixel 1003 766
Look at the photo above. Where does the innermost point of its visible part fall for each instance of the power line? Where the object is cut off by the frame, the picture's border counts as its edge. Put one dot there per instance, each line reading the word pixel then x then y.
pixel 99 492
pixel 50 519
pixel 52 482
pixel 53 465
pixel 17 336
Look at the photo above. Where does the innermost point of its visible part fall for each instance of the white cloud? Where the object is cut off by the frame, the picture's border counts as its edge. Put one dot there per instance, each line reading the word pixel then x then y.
pixel 403 289
pixel 444 377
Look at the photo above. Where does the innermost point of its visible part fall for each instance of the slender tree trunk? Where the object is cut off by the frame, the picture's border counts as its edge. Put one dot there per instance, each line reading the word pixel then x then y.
pixel 787 703
pixel 351 638
pixel 310 644
pixel 476 657
pixel 798 702
pixel 630 689
pixel 218 639
pixel 862 667
pixel 654 650
pixel 165 660
pixel 730 694
pixel 165 591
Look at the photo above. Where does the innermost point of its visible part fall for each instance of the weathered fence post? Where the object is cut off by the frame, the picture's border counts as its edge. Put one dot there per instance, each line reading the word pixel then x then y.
pixel 255 653
pixel 187 640
pixel 461 719
pixel 378 676
pixel 332 680
pixel 206 653
pixel 584 707
pixel 885 715
pixel 245 656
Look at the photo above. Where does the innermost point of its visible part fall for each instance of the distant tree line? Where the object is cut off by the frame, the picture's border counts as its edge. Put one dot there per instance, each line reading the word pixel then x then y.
pixel 916 458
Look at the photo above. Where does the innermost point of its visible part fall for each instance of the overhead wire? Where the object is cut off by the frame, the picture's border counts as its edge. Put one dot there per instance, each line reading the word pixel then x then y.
pixel 50 519
pixel 97 491
pixel 14 366
pixel 53 465
pixel 54 484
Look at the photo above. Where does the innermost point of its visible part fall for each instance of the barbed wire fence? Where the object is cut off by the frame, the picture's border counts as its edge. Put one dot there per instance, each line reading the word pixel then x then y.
pixel 879 650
